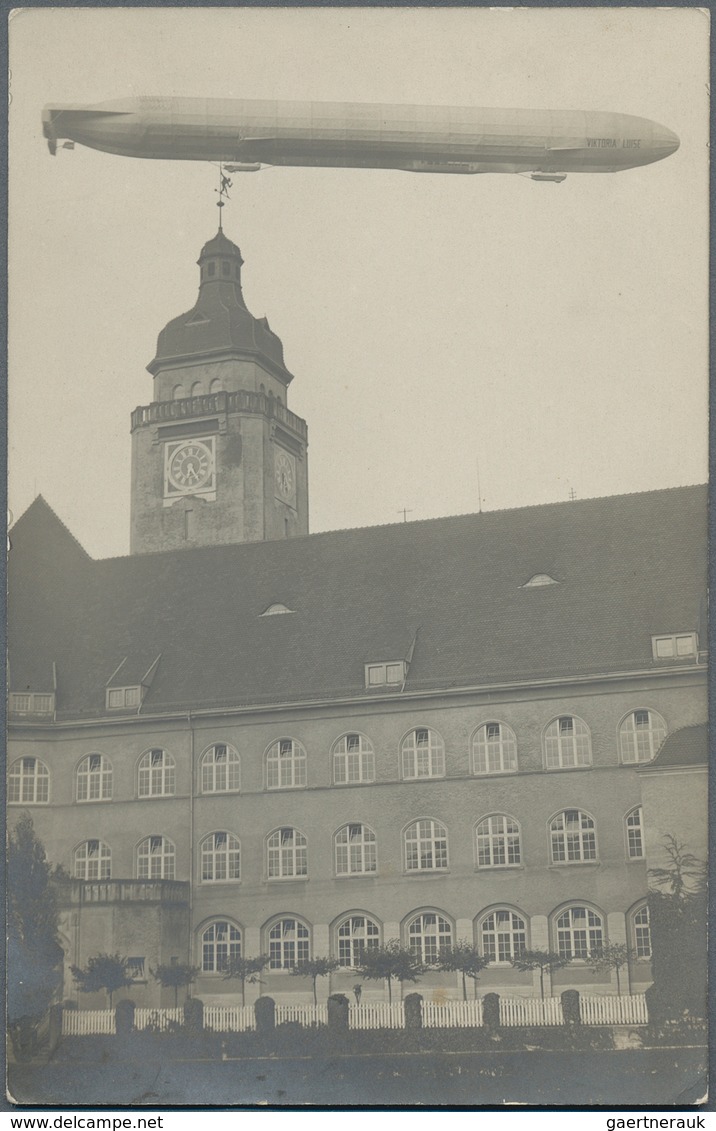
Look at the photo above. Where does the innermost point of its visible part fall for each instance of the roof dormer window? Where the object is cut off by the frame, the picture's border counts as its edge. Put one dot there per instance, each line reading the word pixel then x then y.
pixel 123 698
pixel 538 580
pixel 390 674
pixel 275 610
pixel 38 703
pixel 675 646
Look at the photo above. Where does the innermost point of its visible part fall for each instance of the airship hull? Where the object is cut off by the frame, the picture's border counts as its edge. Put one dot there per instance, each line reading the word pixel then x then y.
pixel 423 139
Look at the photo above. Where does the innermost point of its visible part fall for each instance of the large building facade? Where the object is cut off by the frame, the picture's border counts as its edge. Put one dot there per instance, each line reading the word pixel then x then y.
pixel 245 739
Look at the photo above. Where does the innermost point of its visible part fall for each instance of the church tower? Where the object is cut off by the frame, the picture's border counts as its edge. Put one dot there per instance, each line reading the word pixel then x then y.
pixel 217 457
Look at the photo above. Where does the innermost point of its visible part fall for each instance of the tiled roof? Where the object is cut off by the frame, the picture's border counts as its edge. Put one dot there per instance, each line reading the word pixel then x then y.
pixel 687 746
pixel 628 567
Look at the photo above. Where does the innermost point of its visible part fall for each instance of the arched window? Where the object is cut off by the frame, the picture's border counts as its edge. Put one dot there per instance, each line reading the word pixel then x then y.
pixel 288 944
pixel 93 861
pixel 220 858
pixel 356 935
pixel 28 782
pixel 641 933
pixel 156 859
pixel 215 386
pixel 427 933
pixel 634 834
pixel 356 850
pixel 287 854
pixel 426 846
pixel 94 778
pixel 567 743
pixel 498 841
pixel 353 760
pixel 641 734
pixel 285 765
pixel 503 935
pixel 220 942
pixel 580 932
pixel 494 749
pixel 423 754
pixel 573 837
pixel 196 389
pixel 156 774
pixel 178 392
pixel 220 769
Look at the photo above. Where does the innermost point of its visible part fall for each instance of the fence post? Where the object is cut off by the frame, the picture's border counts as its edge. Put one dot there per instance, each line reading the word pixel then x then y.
pixel 413 1005
pixel 265 1014
pixel 338 1011
pixel 491 1011
pixel 194 1014
pixel 124 1017
pixel 55 1027
pixel 571 1011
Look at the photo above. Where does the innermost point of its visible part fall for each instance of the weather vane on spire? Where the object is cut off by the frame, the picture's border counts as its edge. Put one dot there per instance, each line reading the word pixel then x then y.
pixel 223 191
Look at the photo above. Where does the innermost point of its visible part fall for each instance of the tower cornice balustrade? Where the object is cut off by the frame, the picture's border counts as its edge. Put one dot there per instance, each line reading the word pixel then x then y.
pixel 162 412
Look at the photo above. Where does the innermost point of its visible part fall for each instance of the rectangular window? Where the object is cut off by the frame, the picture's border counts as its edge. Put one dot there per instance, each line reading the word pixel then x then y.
pixel 680 645
pixel 120 697
pixel 390 674
pixel 135 969
pixel 31 703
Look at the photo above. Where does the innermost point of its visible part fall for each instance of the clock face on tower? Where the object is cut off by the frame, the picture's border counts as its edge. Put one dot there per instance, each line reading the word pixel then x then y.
pixel 189 467
pixel 285 477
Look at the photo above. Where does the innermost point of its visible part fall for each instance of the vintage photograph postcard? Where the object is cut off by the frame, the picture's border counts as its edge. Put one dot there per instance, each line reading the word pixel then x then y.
pixel 383 784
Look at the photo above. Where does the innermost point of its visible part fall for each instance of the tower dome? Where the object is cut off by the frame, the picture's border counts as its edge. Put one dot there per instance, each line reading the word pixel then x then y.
pixel 219 325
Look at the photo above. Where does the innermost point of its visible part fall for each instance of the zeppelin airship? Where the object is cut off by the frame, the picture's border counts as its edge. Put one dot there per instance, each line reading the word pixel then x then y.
pixel 248 134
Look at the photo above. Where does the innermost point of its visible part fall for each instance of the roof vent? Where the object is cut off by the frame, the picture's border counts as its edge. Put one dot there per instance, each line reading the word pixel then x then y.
pixel 275 610
pixel 539 580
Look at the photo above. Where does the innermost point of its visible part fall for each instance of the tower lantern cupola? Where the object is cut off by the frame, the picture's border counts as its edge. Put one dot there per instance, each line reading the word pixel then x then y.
pixel 221 262
pixel 217 455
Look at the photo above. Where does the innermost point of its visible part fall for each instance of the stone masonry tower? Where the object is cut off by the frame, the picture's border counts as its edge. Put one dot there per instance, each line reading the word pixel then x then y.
pixel 217 457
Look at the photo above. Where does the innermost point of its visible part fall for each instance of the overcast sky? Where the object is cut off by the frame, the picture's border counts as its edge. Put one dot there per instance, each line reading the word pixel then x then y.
pixel 558 332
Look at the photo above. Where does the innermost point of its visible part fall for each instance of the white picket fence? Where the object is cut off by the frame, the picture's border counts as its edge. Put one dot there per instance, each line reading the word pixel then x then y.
pixel 86 1022
pixel 452 1014
pixel 306 1015
pixel 158 1019
pixel 629 1009
pixel 596 1009
pixel 229 1018
pixel 530 1011
pixel 377 1015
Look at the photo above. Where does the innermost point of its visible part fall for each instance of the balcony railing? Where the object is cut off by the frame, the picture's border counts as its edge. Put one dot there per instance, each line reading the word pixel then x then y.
pixel 74 892
pixel 163 412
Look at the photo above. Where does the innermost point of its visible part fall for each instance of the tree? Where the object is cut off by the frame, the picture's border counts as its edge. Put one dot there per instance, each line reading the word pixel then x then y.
pixel 540 960
pixel 466 959
pixel 677 903
pixel 175 975
pixel 107 972
pixel 34 955
pixel 314 968
pixel 384 963
pixel 683 876
pixel 612 956
pixel 248 970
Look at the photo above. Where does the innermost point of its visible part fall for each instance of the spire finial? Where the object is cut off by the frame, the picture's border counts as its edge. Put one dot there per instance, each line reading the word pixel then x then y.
pixel 223 191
